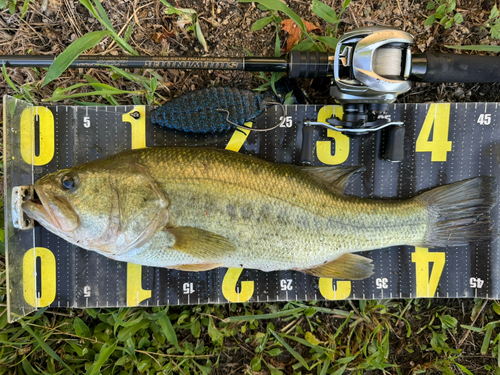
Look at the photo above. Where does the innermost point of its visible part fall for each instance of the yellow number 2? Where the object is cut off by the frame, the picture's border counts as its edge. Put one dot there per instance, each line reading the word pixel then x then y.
pixel 229 290
pixel 436 123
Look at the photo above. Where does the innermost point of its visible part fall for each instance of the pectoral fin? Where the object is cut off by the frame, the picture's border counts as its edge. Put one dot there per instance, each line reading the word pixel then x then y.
pixel 197 267
pixel 201 244
pixel 348 266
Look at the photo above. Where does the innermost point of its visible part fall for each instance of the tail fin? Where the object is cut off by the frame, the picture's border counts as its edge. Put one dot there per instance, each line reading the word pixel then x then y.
pixel 460 212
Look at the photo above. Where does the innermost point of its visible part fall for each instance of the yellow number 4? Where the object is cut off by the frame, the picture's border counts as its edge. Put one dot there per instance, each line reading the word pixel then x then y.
pixel 426 286
pixel 436 122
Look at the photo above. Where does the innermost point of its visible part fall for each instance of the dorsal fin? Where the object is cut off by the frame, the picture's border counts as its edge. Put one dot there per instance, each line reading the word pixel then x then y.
pixel 334 177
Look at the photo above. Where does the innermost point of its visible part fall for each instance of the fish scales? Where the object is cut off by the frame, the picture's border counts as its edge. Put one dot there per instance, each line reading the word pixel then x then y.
pixel 203 208
pixel 258 205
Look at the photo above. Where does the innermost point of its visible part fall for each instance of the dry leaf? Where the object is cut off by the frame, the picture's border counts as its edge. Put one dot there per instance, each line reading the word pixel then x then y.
pixel 311 26
pixel 295 33
pixel 159 37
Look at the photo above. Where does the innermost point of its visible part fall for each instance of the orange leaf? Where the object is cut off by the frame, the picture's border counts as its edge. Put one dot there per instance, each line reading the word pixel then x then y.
pixel 311 26
pixel 295 33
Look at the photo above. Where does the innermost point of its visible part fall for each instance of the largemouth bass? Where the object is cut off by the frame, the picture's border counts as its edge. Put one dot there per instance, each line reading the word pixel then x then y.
pixel 196 209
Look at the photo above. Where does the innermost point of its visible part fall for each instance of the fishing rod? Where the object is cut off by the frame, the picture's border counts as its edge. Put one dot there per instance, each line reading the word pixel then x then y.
pixel 370 68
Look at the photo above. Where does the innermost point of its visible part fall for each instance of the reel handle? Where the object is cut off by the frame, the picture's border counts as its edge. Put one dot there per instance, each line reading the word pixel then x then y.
pixel 306 152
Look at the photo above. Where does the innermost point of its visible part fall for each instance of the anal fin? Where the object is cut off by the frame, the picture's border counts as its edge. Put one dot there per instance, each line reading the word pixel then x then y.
pixel 348 267
pixel 197 267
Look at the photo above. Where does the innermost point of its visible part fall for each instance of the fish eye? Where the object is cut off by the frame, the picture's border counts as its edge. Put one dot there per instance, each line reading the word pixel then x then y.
pixel 68 182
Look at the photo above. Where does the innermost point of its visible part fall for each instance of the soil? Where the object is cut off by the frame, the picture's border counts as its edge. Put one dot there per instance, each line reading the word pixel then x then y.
pixel 226 25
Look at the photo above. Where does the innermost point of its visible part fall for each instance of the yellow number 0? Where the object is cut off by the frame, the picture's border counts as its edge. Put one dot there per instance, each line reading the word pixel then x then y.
pixel 47 142
pixel 47 294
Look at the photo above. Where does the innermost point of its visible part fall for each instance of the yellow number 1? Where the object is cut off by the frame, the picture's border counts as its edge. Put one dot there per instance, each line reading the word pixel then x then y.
pixel 135 292
pixel 138 126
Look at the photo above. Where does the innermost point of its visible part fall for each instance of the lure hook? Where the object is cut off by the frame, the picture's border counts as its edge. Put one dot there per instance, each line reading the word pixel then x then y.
pixel 257 130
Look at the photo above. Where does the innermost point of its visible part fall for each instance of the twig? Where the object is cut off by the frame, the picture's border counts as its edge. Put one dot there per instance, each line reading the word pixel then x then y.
pixel 474 321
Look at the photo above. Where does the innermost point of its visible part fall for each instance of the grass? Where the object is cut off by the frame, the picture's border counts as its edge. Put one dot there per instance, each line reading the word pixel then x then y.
pixel 290 338
pixel 361 337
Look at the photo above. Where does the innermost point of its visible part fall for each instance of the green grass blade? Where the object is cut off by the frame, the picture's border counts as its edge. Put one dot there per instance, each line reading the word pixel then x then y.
pixel 103 15
pixel 168 329
pixel 129 331
pixel 104 354
pixel 275 315
pixel 296 355
pixel 278 5
pixel 25 8
pixel 8 80
pixel 56 98
pixel 329 41
pixel 131 76
pixel 71 53
pixel 487 338
pixel 472 328
pixel 463 368
pixel 324 11
pixel 199 33
pixel 44 345
pixel 107 24
pixel 94 84
pixel 87 4
pixel 128 32
pixel 326 365
pixel 260 24
pixel 305 342
pixel 477 48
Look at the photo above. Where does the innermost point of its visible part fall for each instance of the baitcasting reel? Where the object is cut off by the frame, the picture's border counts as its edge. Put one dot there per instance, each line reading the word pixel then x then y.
pixel 371 68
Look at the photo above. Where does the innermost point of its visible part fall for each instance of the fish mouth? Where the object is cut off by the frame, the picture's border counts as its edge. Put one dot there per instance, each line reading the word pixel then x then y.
pixel 38 208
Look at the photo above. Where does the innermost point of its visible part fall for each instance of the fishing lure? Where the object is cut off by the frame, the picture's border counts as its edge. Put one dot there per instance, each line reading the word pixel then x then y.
pixel 212 110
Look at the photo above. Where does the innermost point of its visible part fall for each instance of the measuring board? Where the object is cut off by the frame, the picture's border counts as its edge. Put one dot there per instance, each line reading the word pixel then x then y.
pixel 444 143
